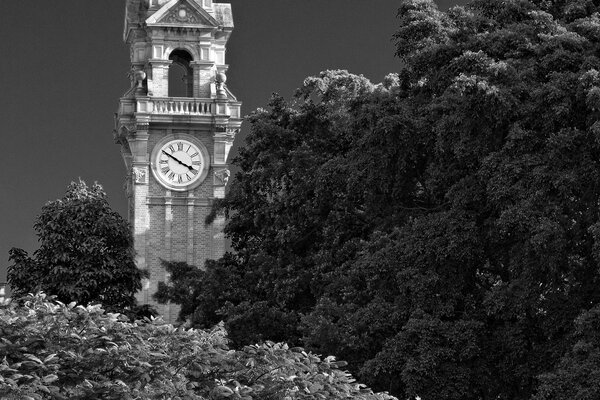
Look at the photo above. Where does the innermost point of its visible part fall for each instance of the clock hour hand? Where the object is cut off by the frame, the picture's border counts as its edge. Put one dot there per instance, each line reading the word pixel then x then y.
pixel 178 160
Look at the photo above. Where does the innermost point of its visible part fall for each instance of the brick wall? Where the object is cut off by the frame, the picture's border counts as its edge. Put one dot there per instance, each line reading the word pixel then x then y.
pixel 175 228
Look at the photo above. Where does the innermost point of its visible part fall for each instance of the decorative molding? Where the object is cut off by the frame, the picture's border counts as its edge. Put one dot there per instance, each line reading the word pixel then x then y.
pixel 127 128
pixel 131 125
pixel 178 201
pixel 142 126
pixel 228 135
pixel 182 14
pixel 140 175
pixel 221 176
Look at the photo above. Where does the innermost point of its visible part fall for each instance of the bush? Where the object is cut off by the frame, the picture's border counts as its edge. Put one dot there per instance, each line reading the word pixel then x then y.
pixel 52 350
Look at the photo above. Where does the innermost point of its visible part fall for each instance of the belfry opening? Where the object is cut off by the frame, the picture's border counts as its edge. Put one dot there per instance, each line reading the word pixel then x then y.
pixel 181 76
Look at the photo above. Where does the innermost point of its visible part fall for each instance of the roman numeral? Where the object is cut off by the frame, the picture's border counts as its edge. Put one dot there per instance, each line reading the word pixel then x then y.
pixel 172 148
pixel 194 155
pixel 164 170
pixel 195 171
pixel 195 162
pixel 189 147
pixel 179 146
pixel 171 175
pixel 189 178
pixel 179 180
pixel 164 161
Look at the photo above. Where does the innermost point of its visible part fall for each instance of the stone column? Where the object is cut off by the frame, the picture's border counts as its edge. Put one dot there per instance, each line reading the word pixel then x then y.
pixel 203 74
pixel 158 83
pixel 140 175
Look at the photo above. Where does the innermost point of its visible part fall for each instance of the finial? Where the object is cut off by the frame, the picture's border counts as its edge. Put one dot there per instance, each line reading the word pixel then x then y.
pixel 221 78
pixel 139 76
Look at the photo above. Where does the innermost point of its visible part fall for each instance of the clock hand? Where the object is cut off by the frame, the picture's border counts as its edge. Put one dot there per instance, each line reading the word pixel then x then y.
pixel 178 160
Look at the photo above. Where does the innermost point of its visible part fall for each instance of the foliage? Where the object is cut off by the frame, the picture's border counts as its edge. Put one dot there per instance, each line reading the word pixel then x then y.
pixel 50 350
pixel 439 230
pixel 577 376
pixel 85 254
pixel 205 296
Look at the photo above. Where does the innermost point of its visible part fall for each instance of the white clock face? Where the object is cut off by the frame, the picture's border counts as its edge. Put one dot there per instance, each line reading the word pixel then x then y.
pixel 179 163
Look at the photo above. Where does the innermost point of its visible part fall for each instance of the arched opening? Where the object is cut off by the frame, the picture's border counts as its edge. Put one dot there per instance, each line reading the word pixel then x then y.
pixel 181 77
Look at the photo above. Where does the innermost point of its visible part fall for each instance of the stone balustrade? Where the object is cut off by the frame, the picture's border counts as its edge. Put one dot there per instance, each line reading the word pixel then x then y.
pixel 183 106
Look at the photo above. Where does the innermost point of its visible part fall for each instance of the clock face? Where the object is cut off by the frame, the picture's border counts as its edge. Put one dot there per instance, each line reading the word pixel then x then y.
pixel 180 164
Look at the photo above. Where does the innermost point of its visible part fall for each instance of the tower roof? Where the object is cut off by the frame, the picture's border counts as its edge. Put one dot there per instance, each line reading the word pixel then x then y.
pixel 182 12
pixel 138 13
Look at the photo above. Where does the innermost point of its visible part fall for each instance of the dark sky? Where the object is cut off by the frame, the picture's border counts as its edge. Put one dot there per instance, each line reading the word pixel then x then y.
pixel 64 67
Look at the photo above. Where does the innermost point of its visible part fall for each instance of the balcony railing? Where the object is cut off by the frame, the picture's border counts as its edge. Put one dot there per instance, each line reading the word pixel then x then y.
pixel 174 105
pixel 182 106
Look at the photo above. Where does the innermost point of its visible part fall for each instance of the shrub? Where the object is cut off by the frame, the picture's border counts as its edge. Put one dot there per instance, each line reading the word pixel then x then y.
pixel 53 350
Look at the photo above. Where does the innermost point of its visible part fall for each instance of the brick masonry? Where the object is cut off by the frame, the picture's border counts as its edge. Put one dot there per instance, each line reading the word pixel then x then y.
pixel 170 225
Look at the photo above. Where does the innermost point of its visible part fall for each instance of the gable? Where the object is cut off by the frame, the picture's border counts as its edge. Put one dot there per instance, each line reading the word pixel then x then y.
pixel 182 12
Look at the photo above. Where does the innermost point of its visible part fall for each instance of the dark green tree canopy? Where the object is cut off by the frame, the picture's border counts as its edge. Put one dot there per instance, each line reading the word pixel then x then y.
pixel 439 230
pixel 85 254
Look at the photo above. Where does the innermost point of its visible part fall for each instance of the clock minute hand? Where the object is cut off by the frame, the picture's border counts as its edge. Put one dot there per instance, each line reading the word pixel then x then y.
pixel 184 164
pixel 178 160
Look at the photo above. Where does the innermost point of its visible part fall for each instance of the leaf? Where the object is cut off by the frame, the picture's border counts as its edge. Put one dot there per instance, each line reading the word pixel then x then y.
pixel 158 355
pixel 33 358
pixel 222 391
pixel 49 378
pixel 49 358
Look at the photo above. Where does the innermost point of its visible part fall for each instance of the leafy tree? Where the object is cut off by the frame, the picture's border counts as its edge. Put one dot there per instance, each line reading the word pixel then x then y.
pixel 577 376
pixel 269 297
pixel 207 295
pixel 85 254
pixel 58 351
pixel 440 230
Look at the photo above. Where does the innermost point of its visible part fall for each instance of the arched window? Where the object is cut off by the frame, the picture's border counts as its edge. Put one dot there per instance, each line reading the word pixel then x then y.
pixel 181 77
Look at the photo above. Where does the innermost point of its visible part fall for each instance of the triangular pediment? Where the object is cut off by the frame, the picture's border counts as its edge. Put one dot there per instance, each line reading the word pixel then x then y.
pixel 182 13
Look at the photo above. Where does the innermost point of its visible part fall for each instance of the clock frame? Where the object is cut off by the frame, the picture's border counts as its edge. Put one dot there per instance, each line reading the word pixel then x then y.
pixel 180 162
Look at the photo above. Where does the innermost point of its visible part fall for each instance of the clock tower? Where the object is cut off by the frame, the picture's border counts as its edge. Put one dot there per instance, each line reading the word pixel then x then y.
pixel 175 126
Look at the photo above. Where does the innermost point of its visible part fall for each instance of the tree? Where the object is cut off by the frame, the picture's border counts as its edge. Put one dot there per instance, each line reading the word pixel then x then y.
pixel 85 254
pixel 440 230
pixel 284 151
pixel 577 375
pixel 206 296
pixel 58 351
